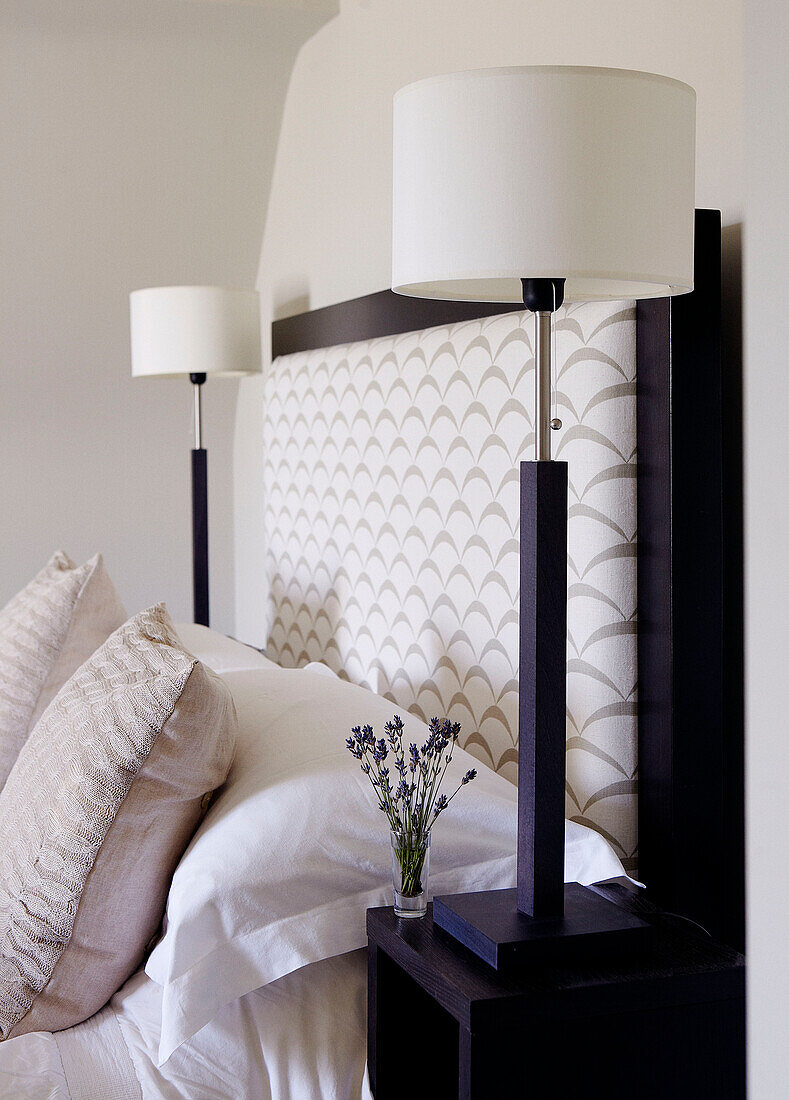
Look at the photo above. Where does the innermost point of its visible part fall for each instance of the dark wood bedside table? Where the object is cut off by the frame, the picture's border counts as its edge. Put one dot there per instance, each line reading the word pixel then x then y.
pixel 666 1023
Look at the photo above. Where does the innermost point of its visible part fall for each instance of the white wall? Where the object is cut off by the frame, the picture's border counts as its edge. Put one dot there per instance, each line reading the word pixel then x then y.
pixel 137 139
pixel 328 228
pixel 767 542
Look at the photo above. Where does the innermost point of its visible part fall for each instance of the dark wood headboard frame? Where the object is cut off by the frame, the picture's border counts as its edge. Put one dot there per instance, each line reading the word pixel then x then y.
pixel 690 802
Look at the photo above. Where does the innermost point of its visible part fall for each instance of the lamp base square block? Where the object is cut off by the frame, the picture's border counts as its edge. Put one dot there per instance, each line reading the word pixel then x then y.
pixel 490 925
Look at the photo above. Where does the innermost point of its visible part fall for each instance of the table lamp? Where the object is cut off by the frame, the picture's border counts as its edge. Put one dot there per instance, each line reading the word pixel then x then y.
pixel 537 185
pixel 197 331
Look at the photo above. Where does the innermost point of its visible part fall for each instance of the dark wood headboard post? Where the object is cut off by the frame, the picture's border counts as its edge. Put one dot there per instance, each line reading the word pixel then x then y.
pixel 690 750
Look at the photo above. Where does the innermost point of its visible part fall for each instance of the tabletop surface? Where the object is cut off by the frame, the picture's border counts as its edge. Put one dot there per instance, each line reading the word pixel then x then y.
pixel 681 963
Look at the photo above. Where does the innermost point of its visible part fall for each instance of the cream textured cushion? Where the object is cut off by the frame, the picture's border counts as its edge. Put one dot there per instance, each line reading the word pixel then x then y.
pixel 46 632
pixel 97 810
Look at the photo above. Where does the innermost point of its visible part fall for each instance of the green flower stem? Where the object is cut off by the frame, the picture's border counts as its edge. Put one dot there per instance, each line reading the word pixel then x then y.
pixel 411 858
pixel 435 786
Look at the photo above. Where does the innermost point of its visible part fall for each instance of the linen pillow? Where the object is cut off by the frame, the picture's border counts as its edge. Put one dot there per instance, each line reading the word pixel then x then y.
pixel 294 849
pixel 46 632
pixel 95 814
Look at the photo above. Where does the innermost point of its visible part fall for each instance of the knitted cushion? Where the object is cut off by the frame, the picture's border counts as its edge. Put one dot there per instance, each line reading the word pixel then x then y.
pixel 102 801
pixel 46 632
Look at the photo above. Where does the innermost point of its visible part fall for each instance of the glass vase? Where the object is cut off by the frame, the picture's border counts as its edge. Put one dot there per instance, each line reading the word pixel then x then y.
pixel 410 870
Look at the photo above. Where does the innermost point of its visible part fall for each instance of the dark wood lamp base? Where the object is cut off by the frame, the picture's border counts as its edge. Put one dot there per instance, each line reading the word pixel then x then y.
pixel 490 925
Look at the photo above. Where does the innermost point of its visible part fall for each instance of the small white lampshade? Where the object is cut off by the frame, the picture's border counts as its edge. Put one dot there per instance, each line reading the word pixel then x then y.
pixel 544 172
pixel 195 330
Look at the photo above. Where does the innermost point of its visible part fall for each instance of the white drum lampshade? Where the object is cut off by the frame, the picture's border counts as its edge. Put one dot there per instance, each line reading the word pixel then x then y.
pixel 585 174
pixel 195 330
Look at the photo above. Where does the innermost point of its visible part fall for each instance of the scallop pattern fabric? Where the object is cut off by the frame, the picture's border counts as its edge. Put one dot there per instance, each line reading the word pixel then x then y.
pixel 391 521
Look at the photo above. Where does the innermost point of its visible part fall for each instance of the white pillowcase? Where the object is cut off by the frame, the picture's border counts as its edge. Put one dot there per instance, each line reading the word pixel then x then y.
pixel 294 850
pixel 224 654
pixel 219 652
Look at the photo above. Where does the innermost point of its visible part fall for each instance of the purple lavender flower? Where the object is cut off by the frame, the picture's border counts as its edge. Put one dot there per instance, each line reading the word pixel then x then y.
pixel 357 751
pixel 413 805
pixel 393 731
pixel 414 754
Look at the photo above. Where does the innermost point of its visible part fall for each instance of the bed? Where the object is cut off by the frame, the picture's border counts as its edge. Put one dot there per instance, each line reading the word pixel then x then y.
pixel 372 607
pixel 284 1007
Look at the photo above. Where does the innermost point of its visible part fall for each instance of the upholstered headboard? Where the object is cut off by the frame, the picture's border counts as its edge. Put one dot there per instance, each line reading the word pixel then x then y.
pixel 391 520
pixel 391 437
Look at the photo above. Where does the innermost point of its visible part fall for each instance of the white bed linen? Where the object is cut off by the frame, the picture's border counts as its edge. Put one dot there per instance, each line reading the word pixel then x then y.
pixel 300 1038
pixel 295 849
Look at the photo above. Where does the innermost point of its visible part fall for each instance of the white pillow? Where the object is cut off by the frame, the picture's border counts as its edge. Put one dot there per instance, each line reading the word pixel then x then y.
pixel 224 654
pixel 294 849
pixel 219 652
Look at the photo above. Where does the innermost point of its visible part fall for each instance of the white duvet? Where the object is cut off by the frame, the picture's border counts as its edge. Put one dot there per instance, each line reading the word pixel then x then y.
pixel 300 1038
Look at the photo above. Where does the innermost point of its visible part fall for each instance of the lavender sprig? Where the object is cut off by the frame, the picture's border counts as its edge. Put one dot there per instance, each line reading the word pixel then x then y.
pixel 414 803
